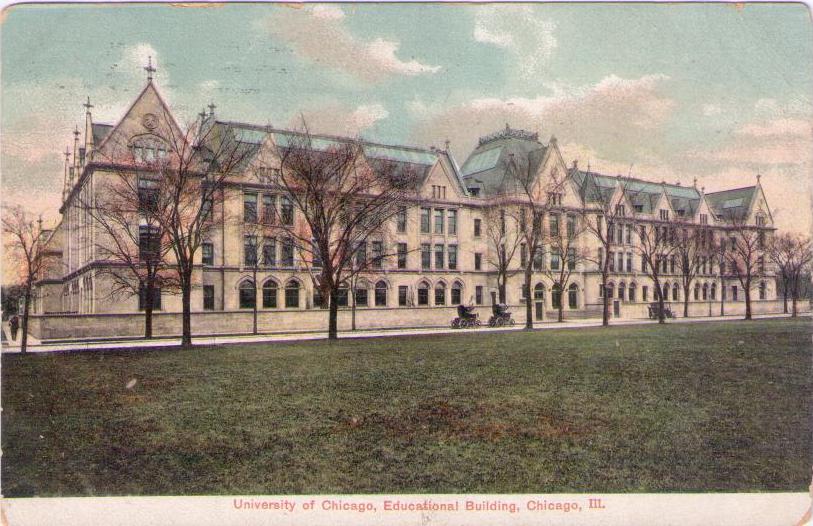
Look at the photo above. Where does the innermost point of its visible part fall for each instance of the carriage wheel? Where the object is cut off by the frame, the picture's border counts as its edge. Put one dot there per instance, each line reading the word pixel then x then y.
pixel 500 322
pixel 512 322
pixel 464 324
pixel 455 323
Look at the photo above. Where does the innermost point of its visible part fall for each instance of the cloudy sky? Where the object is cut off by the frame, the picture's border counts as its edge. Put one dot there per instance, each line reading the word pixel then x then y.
pixel 670 92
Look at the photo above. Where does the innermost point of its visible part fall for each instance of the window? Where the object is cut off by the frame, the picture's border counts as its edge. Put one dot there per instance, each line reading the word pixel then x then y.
pixel 619 233
pixel 571 258
pixel 478 294
pixel 477 226
pixel 675 293
pixel 622 291
pixel 440 294
pixel 555 259
pixel 610 257
pixel 704 219
pixel 439 257
pixel 149 243
pixel 147 194
pixel 403 290
pixel 664 215
pixel 600 258
pixel 643 263
pixel 451 222
pixel 762 290
pixel 705 291
pixel 628 230
pixel 378 253
pixel 208 254
pixel 250 251
pixel 208 297
pixel 571 226
pixel 425 213
pixel 734 292
pixel 760 220
pixel 631 293
pixel 269 208
pixel 423 294
pixel 761 265
pixel 620 210
pixel 572 296
pixel 713 292
pixel 270 295
pixel 620 262
pixel 316 256
pixel 401 220
pixel 361 254
pixel 556 296
pixel 426 256
pixel 287 256
pixel 286 211
pixel 381 294
pixel 554 225
pixel 672 264
pixel 142 297
pixel 342 296
pixel 645 293
pixel 629 261
pixel 478 261
pixel 361 296
pixel 452 257
pixel 292 295
pixel 250 207
pixel 402 255
pixel 696 291
pixel 610 233
pixel 248 296
pixel 438 221
pixel 457 293
pixel 523 255
pixel 269 252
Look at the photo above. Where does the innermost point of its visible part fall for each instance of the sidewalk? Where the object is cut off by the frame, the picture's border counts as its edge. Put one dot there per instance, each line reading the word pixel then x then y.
pixel 35 346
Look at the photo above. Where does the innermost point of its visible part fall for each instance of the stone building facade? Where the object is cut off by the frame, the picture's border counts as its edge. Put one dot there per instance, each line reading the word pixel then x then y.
pixel 442 255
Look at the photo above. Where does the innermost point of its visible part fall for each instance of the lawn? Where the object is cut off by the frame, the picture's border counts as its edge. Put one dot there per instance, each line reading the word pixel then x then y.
pixel 681 407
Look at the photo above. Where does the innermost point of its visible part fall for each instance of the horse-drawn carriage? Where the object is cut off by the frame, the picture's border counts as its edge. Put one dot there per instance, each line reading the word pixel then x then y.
pixel 466 317
pixel 500 316
pixel 654 308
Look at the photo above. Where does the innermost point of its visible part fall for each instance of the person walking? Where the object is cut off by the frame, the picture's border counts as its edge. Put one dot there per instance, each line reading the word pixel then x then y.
pixel 14 325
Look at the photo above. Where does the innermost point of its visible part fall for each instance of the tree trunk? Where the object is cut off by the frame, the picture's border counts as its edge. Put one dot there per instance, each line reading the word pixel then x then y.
pixel 353 309
pixel 785 299
pixel 186 314
pixel 605 311
pixel 794 298
pixel 529 311
pixel 748 302
pixel 24 325
pixel 561 317
pixel 148 320
pixel 502 288
pixel 254 326
pixel 685 301
pixel 333 315
pixel 659 290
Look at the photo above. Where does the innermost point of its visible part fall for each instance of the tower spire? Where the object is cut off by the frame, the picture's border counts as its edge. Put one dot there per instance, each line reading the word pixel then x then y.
pixel 212 109
pixel 149 69
pixel 66 176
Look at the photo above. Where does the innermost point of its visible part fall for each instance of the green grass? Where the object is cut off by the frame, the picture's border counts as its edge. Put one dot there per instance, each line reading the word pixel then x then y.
pixel 682 407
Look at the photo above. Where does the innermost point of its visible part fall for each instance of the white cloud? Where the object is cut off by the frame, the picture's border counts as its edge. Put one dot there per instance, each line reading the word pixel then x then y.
pixel 318 34
pixel 340 119
pixel 522 31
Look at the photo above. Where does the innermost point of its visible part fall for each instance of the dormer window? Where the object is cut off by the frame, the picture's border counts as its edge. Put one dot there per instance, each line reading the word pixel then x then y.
pixel 664 215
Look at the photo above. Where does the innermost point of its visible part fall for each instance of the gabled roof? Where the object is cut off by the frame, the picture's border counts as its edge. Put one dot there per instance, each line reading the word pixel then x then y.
pixel 251 136
pixel 488 166
pixel 729 204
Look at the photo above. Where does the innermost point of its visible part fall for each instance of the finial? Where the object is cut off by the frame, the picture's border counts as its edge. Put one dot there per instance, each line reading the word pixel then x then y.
pixel 76 132
pixel 553 139
pixel 202 114
pixel 212 108
pixel 447 143
pixel 758 178
pixel 703 189
pixel 695 182
pixel 67 153
pixel 149 69
pixel 88 105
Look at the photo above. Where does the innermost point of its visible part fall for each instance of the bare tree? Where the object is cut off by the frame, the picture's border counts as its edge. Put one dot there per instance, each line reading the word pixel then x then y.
pixel 344 200
pixel 657 241
pixel 566 253
pixel 535 198
pixel 600 212
pixel 744 254
pixel 190 169
pixel 690 244
pixel 792 256
pixel 503 240
pixel 130 241
pixel 25 241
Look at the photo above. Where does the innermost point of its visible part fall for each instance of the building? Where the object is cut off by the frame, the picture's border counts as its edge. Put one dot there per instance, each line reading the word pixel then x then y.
pixel 447 258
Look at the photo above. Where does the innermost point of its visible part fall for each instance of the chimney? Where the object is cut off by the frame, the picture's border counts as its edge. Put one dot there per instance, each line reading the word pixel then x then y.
pixel 575 164
pixel 677 183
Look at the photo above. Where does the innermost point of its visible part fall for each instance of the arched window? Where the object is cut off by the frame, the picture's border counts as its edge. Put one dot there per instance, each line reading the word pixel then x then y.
pixel 762 290
pixel 696 291
pixel 573 296
pixel 556 296
pixel 248 295
pixel 269 295
pixel 381 294
pixel 665 292
pixel 675 292
pixel 713 291
pixel 361 294
pixel 440 294
pixel 318 301
pixel 149 148
pixel 457 293
pixel 622 291
pixel 610 290
pixel 705 291
pixel 539 292
pixel 423 293
pixel 631 294
pixel 292 295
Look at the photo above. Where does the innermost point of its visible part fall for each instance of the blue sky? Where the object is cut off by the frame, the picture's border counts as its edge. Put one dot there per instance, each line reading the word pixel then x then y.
pixel 714 92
